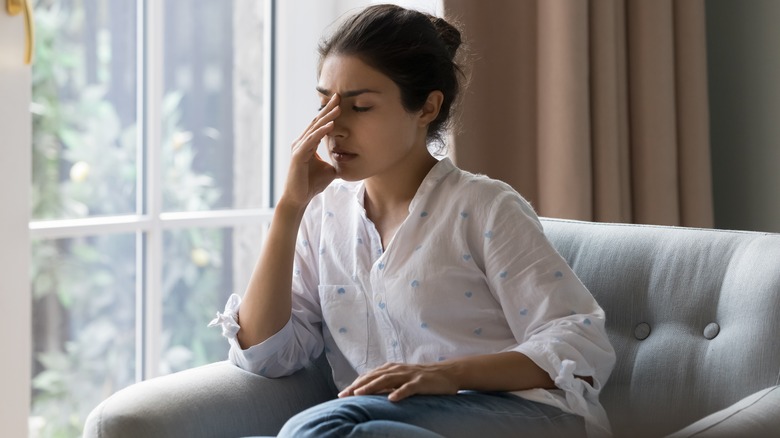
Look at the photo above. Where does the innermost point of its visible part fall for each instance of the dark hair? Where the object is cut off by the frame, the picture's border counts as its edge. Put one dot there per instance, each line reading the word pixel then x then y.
pixel 414 49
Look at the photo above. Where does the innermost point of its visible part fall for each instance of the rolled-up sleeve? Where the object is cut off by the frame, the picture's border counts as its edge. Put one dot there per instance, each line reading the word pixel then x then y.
pixel 280 355
pixel 555 319
pixel 300 340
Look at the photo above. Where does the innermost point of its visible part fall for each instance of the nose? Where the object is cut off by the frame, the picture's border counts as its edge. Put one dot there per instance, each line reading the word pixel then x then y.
pixel 339 127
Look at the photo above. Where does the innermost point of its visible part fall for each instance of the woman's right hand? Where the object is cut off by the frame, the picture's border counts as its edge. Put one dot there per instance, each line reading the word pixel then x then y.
pixel 309 174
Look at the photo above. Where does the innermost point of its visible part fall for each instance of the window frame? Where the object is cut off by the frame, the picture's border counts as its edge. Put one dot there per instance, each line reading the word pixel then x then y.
pixel 290 75
pixel 150 221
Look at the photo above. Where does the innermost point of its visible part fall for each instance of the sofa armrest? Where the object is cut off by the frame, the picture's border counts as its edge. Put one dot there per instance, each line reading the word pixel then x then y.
pixel 757 415
pixel 216 400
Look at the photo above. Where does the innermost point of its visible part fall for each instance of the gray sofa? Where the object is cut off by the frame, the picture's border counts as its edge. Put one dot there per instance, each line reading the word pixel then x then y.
pixel 693 314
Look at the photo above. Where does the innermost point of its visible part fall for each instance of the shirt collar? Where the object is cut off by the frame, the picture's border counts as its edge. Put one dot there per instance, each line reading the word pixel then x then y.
pixel 434 177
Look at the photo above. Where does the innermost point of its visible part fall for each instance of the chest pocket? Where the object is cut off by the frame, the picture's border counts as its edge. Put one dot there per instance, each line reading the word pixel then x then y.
pixel 345 311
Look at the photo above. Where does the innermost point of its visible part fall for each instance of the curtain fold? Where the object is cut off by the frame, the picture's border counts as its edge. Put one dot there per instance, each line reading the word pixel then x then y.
pixel 593 110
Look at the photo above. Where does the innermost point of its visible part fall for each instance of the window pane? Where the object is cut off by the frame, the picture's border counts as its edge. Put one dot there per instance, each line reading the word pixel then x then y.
pixel 213 105
pixel 83 328
pixel 203 266
pixel 83 103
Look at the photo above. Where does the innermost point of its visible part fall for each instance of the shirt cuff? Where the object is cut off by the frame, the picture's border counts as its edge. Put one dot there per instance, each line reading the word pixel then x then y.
pixel 229 319
pixel 256 357
pixel 580 397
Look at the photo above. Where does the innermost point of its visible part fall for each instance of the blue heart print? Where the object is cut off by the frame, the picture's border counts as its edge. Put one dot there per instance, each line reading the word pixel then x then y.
pixel 341 291
pixel 489 234
pixel 469 294
pixel 424 325
pixel 466 257
pixel 424 214
pixel 464 215
pixel 558 274
pixel 478 331
pixel 524 312
pixel 342 330
pixel 503 274
pixel 415 283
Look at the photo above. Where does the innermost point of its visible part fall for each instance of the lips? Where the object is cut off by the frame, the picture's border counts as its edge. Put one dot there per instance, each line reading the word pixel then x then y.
pixel 342 155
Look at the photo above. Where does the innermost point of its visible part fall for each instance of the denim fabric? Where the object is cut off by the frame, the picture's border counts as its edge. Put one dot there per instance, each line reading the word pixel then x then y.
pixel 469 414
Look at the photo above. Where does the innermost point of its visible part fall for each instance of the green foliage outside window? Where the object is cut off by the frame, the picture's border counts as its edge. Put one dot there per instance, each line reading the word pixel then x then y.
pixel 84 304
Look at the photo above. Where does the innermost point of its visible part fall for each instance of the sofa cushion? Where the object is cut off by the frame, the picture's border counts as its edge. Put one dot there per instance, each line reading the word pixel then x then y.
pixel 692 314
pixel 754 416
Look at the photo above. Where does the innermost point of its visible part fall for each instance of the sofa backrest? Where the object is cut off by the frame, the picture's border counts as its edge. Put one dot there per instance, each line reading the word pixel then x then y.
pixel 693 314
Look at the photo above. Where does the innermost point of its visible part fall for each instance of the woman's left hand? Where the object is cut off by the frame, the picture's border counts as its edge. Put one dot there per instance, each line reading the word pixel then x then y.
pixel 403 380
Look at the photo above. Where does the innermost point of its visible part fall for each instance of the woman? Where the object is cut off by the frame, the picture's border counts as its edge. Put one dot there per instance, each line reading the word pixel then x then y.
pixel 442 308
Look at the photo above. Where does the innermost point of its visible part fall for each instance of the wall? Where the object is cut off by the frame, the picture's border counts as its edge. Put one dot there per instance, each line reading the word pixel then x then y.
pixel 15 301
pixel 744 87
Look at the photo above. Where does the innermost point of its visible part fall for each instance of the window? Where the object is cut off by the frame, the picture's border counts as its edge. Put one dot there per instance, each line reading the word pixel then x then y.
pixel 161 133
pixel 152 180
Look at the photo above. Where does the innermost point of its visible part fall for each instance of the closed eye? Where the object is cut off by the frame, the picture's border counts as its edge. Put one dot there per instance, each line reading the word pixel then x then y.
pixel 357 109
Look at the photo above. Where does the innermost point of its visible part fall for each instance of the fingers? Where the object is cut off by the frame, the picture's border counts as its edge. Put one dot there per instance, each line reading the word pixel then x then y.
pixel 398 385
pixel 329 112
pixel 383 380
pixel 321 126
pixel 401 381
pixel 406 390
pixel 365 379
pixel 332 103
pixel 380 384
pixel 308 145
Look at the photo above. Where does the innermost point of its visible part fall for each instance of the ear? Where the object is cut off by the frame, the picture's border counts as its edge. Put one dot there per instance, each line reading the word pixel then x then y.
pixel 431 107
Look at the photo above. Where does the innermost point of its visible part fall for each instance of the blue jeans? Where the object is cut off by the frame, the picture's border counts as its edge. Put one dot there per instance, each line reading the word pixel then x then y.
pixel 468 414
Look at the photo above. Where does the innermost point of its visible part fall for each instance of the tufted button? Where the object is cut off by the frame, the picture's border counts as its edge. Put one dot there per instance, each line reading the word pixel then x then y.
pixel 711 330
pixel 642 331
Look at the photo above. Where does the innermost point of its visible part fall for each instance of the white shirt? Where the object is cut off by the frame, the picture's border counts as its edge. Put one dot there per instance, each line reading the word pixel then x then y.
pixel 468 272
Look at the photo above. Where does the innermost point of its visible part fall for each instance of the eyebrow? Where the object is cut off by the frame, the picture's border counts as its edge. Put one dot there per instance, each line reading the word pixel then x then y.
pixel 351 93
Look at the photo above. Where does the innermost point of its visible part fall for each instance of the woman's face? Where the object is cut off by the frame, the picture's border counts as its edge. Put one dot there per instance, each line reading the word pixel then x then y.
pixel 374 135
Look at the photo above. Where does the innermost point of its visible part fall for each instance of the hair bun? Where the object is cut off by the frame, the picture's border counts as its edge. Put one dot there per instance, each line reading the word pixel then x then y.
pixel 448 34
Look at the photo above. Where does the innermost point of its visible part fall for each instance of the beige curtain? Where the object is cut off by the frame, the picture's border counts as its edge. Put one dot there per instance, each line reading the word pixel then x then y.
pixel 592 109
